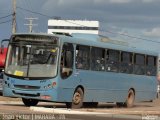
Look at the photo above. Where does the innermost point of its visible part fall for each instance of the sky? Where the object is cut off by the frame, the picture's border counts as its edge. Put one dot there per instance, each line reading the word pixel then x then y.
pixel 137 18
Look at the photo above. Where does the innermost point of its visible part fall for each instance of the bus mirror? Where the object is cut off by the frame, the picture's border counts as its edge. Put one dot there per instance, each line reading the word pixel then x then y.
pixel 2 49
pixel 2 45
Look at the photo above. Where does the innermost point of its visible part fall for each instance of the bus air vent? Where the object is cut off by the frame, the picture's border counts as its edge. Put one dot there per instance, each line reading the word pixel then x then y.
pixel 26 87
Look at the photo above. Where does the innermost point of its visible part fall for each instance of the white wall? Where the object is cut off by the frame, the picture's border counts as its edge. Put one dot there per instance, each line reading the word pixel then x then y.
pixel 78 23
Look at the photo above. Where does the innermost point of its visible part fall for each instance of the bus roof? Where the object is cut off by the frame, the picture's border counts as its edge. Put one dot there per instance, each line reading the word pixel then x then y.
pixel 142 47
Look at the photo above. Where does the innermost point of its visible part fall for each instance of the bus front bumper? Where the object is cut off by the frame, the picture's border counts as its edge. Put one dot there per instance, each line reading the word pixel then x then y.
pixel 47 95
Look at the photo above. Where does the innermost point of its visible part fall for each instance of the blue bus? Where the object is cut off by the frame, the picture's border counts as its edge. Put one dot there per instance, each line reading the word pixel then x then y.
pixel 79 70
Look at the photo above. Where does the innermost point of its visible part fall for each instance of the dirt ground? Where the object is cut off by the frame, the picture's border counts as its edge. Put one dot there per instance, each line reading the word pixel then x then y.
pixel 154 103
pixel 8 99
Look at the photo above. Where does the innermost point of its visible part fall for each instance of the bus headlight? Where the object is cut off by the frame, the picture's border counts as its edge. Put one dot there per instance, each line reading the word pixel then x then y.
pixel 47 87
pixel 50 85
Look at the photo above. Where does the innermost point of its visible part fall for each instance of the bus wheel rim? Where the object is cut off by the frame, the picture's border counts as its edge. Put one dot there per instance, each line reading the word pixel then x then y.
pixel 130 97
pixel 77 98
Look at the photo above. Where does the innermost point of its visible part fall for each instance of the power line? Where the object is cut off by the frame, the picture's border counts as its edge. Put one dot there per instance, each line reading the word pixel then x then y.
pixel 30 6
pixel 49 16
pixel 6 16
pixel 6 21
pixel 130 36
pixel 27 4
pixel 106 31
pixel 34 12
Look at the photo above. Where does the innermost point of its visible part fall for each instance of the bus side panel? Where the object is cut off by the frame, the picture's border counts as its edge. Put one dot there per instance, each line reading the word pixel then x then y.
pixel 98 87
pixel 66 88
pixel 103 86
pixel 146 88
pixel 108 86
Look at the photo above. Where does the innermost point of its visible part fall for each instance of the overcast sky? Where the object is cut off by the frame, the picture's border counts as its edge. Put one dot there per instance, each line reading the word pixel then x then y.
pixel 140 18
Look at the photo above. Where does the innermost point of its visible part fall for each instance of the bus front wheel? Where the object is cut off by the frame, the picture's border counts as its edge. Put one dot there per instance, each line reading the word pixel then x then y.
pixel 29 102
pixel 77 100
pixel 130 99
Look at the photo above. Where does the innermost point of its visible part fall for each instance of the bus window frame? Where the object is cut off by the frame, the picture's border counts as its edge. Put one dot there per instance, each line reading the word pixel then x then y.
pixel 80 65
pixel 139 69
pixel 151 69
pixel 64 71
pixel 101 62
pixel 112 63
pixel 126 66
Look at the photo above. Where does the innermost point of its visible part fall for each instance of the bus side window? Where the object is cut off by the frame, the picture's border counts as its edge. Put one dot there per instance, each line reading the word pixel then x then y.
pixel 97 59
pixel 139 64
pixel 82 57
pixel 66 60
pixel 112 60
pixel 151 66
pixel 126 65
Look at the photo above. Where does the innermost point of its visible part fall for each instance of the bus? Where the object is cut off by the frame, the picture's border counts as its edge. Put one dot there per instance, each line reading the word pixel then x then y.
pixel 78 70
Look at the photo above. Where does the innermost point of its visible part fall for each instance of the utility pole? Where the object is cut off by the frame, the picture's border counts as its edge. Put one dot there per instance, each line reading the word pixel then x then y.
pixel 31 23
pixel 14 17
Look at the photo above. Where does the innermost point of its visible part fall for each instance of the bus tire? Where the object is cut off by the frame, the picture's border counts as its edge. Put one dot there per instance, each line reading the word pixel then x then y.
pixel 90 104
pixel 77 100
pixel 120 104
pixel 130 99
pixel 29 102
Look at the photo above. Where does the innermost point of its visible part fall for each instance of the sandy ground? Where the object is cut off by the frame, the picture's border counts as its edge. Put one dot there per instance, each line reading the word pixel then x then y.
pixel 9 99
pixel 154 103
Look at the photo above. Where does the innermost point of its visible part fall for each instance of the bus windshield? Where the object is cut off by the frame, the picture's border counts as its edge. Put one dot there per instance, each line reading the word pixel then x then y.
pixel 32 58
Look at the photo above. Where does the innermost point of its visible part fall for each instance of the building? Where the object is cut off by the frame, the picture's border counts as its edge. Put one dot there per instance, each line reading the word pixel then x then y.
pixel 72 26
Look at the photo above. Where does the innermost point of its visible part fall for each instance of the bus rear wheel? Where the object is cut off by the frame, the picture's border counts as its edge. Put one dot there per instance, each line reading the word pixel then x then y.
pixel 29 102
pixel 77 100
pixel 130 99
